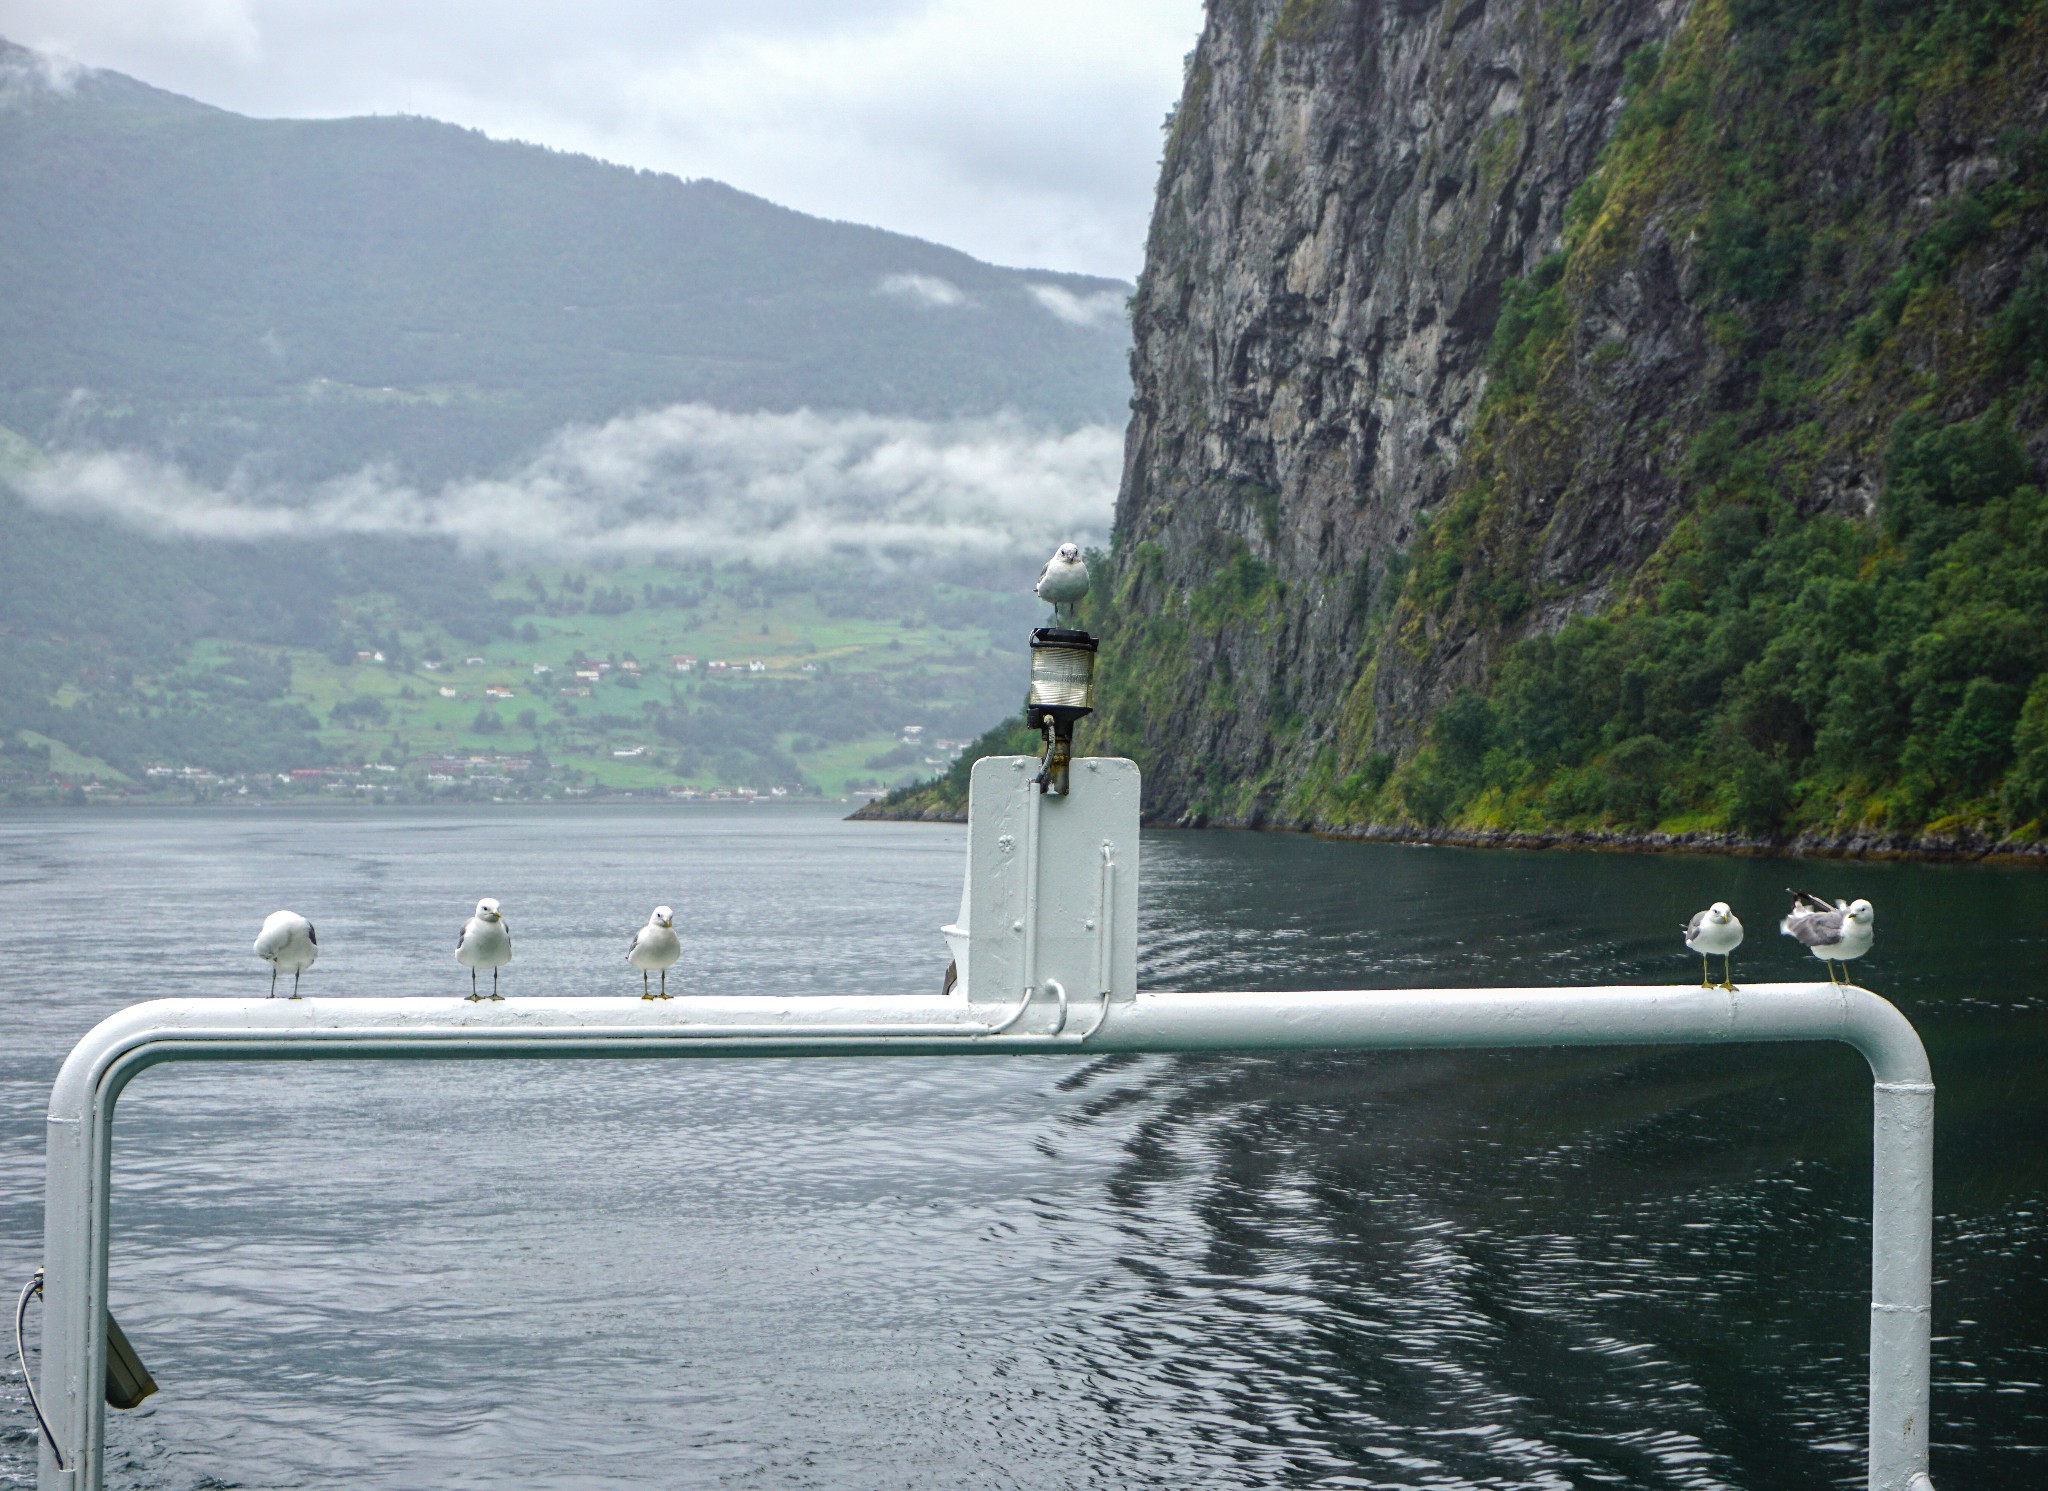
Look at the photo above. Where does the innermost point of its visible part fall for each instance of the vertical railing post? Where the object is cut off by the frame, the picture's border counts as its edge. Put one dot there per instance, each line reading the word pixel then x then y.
pixel 68 1256
pixel 1901 1283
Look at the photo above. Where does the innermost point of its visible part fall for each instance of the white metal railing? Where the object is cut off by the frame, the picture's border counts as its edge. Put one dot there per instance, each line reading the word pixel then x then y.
pixel 90 1083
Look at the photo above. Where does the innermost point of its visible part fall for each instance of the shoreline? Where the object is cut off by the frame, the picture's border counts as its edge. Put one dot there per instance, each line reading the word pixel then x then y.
pixel 293 804
pixel 1931 849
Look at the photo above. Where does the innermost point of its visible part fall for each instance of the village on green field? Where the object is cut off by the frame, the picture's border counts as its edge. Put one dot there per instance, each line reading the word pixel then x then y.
pixel 603 684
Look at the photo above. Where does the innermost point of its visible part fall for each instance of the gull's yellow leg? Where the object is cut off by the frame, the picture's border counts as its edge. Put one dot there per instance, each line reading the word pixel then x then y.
pixel 1727 973
pixel 1706 977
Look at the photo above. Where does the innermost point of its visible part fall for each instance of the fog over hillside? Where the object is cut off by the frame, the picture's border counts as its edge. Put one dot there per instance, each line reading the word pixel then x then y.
pixel 293 413
pixel 685 481
pixel 276 306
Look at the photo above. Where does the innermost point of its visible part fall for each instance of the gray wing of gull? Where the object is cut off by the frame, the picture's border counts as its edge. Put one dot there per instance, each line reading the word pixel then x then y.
pixel 634 941
pixel 1692 928
pixel 1822 929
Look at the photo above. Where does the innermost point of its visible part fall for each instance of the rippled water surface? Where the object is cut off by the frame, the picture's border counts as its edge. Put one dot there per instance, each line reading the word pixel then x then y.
pixel 1535 1269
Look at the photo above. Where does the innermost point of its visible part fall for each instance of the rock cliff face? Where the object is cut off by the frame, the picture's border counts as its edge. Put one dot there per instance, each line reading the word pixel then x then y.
pixel 1347 188
pixel 1573 422
pixel 1470 329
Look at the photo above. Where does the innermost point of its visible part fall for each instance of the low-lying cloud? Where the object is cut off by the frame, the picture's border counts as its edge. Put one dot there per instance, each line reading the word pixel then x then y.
pixel 1103 308
pixel 923 289
pixel 26 75
pixel 685 481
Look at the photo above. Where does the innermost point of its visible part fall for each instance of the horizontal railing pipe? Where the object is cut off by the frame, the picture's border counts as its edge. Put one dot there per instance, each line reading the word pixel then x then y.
pixel 89 1085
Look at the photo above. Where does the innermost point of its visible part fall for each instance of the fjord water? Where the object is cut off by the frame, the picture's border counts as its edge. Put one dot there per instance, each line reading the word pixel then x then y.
pixel 1533 1269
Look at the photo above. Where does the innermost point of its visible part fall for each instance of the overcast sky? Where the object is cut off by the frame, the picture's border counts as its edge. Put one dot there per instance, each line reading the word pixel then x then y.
pixel 1023 131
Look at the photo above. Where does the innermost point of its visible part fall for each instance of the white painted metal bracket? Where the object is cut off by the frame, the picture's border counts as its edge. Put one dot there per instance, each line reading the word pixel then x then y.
pixel 1050 904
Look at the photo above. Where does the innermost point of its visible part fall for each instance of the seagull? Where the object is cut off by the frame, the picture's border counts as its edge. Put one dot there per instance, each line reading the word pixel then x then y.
pixel 1834 934
pixel 287 941
pixel 484 942
pixel 655 946
pixel 1063 581
pixel 1715 930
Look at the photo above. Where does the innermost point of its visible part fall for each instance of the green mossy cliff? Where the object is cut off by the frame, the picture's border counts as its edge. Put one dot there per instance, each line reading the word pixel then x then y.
pixel 1614 421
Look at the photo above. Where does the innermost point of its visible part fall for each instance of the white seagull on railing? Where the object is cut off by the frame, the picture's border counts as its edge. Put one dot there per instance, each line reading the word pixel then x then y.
pixel 1715 930
pixel 287 941
pixel 484 942
pixel 655 946
pixel 1063 582
pixel 1834 934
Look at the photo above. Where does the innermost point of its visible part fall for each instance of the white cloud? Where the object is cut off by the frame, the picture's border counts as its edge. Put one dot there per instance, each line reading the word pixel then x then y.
pixel 24 75
pixel 683 480
pixel 1024 131
pixel 1103 308
pixel 923 289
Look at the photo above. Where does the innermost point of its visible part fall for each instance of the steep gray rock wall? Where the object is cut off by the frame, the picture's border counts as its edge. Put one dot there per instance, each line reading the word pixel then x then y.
pixel 1346 187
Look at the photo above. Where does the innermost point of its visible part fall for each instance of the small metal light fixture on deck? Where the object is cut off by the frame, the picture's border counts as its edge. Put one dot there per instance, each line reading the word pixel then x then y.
pixel 1062 695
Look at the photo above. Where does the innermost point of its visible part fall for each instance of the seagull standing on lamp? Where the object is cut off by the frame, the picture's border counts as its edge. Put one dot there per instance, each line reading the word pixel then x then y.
pixel 1062 667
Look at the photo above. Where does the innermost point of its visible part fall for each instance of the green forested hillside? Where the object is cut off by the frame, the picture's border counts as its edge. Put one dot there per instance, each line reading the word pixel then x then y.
pixel 245 309
pixel 302 296
pixel 1747 538
pixel 1782 663
pixel 401 669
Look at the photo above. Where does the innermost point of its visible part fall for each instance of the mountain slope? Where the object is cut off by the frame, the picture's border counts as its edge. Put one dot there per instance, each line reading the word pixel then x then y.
pixel 210 325
pixel 309 295
pixel 1599 419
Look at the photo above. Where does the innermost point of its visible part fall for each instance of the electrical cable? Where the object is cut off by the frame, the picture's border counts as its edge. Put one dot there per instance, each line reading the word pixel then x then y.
pixel 29 1291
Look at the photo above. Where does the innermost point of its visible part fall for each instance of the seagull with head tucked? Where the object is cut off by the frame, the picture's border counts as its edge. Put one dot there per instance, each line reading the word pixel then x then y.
pixel 655 946
pixel 287 941
pixel 484 942
pixel 1715 930
pixel 1063 582
pixel 1834 934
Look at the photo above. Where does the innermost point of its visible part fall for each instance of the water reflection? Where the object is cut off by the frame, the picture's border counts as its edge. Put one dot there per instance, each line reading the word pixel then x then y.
pixel 1526 1269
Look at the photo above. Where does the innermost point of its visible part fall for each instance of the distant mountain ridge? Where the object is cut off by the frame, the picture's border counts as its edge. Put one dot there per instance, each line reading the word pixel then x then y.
pixel 291 298
pixel 248 368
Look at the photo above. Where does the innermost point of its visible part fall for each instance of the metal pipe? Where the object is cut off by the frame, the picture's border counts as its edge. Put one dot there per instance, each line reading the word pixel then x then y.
pixel 1105 908
pixel 1037 805
pixel 1901 1281
pixel 1060 991
pixel 89 1085
pixel 1101 1015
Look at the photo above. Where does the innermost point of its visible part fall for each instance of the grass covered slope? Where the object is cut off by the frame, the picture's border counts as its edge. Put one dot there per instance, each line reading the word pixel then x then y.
pixel 1747 536
pixel 136 664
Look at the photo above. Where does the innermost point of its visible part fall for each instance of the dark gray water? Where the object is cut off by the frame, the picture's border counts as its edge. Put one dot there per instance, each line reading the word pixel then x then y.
pixel 1629 1269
